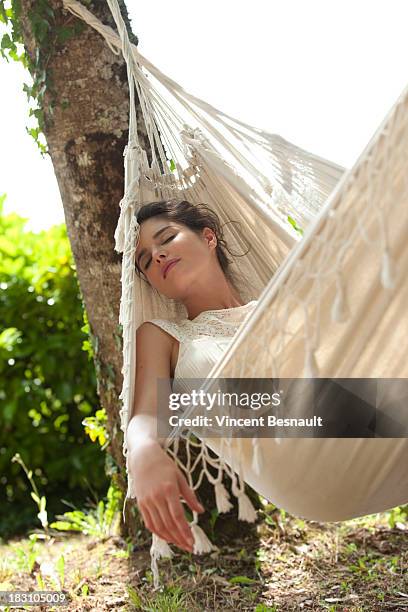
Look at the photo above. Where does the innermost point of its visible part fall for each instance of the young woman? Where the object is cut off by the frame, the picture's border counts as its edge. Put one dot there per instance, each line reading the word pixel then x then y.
pixel 182 254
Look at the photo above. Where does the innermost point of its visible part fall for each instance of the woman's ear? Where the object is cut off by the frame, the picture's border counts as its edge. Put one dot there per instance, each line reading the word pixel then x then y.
pixel 210 237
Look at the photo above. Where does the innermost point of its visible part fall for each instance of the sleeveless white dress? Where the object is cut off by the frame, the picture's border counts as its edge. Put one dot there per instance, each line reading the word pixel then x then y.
pixel 203 340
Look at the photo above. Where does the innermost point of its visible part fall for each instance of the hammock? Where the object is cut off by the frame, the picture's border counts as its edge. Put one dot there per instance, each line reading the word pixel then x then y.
pixel 332 303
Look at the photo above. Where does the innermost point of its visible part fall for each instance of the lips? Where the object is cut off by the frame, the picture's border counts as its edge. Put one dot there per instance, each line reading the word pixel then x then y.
pixel 169 265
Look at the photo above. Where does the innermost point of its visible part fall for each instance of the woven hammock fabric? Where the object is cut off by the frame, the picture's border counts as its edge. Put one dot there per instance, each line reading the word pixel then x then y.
pixel 332 304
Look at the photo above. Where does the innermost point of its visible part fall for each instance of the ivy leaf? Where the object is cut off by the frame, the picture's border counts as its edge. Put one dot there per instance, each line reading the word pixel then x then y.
pixel 3 14
pixel 38 114
pixel 6 42
pixel 40 28
pixel 14 55
pixel 33 132
pixel 27 89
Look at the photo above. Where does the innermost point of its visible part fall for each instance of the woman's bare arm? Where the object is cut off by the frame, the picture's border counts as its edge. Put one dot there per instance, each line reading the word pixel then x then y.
pixel 153 350
pixel 159 483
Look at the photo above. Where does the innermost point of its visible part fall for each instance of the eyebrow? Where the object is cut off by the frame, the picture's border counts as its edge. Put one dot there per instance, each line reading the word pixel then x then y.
pixel 143 251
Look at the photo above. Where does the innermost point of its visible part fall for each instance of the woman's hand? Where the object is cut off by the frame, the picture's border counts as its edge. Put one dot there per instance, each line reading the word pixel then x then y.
pixel 158 485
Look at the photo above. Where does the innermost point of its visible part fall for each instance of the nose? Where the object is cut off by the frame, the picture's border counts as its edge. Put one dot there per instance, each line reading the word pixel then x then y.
pixel 159 253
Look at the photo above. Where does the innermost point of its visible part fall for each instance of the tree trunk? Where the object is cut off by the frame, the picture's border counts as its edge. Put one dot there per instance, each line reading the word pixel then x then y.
pixel 86 117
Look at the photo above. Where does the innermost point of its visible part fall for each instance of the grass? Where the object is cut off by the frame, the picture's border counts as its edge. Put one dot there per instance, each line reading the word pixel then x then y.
pixel 288 564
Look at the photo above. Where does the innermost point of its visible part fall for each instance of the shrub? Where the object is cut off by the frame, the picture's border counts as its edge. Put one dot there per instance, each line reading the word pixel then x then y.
pixel 48 383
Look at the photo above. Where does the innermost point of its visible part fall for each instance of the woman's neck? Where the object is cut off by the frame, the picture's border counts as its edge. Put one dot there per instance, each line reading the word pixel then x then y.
pixel 213 299
pixel 215 293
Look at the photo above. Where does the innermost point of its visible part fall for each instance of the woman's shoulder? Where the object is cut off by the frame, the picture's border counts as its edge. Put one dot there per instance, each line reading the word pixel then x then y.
pixel 175 327
pixel 150 329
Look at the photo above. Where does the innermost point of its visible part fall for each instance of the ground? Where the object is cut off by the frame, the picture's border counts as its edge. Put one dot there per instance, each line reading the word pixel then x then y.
pixel 288 564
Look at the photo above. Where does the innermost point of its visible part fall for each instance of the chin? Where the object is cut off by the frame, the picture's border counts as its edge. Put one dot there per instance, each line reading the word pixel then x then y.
pixel 178 292
pixel 173 293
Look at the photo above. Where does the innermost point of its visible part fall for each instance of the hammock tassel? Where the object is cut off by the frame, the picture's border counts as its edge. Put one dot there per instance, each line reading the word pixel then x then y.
pixel 246 511
pixel 222 498
pixel 120 228
pixel 158 549
pixel 126 498
pixel 257 456
pixel 340 311
pixel 201 543
pixel 311 367
pixel 387 271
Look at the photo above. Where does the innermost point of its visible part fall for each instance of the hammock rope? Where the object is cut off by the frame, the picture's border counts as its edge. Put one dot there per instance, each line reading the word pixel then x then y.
pixel 331 304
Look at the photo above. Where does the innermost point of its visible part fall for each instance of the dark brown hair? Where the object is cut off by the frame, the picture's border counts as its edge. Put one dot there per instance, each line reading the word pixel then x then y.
pixel 196 217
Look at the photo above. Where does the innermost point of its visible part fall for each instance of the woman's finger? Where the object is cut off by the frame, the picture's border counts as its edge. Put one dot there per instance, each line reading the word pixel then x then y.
pixel 179 522
pixel 188 493
pixel 147 519
pixel 173 527
pixel 176 511
pixel 160 525
pixel 151 524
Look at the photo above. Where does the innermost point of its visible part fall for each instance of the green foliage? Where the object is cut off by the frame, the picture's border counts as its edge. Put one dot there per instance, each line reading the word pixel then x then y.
pixel 398 515
pixel 99 522
pixel 171 598
pixel 25 556
pixel 48 381
pixel 95 428
pixel 11 42
pixel 49 37
pixel 51 30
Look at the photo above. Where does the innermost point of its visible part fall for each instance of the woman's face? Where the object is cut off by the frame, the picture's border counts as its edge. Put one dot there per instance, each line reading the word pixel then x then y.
pixel 191 256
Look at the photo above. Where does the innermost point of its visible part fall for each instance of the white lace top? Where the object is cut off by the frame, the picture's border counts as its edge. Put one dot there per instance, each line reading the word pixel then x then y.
pixel 203 340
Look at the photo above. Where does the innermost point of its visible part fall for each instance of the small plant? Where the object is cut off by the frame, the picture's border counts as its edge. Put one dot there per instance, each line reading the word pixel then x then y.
pixel 100 522
pixel 213 519
pixel 98 567
pixel 169 599
pixel 261 557
pixel 25 557
pixel 398 515
pixel 124 554
pixel 40 501
pixel 60 567
pixel 40 582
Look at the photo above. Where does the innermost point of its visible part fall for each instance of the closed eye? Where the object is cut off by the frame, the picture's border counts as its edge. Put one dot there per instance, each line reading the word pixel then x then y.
pixel 164 242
